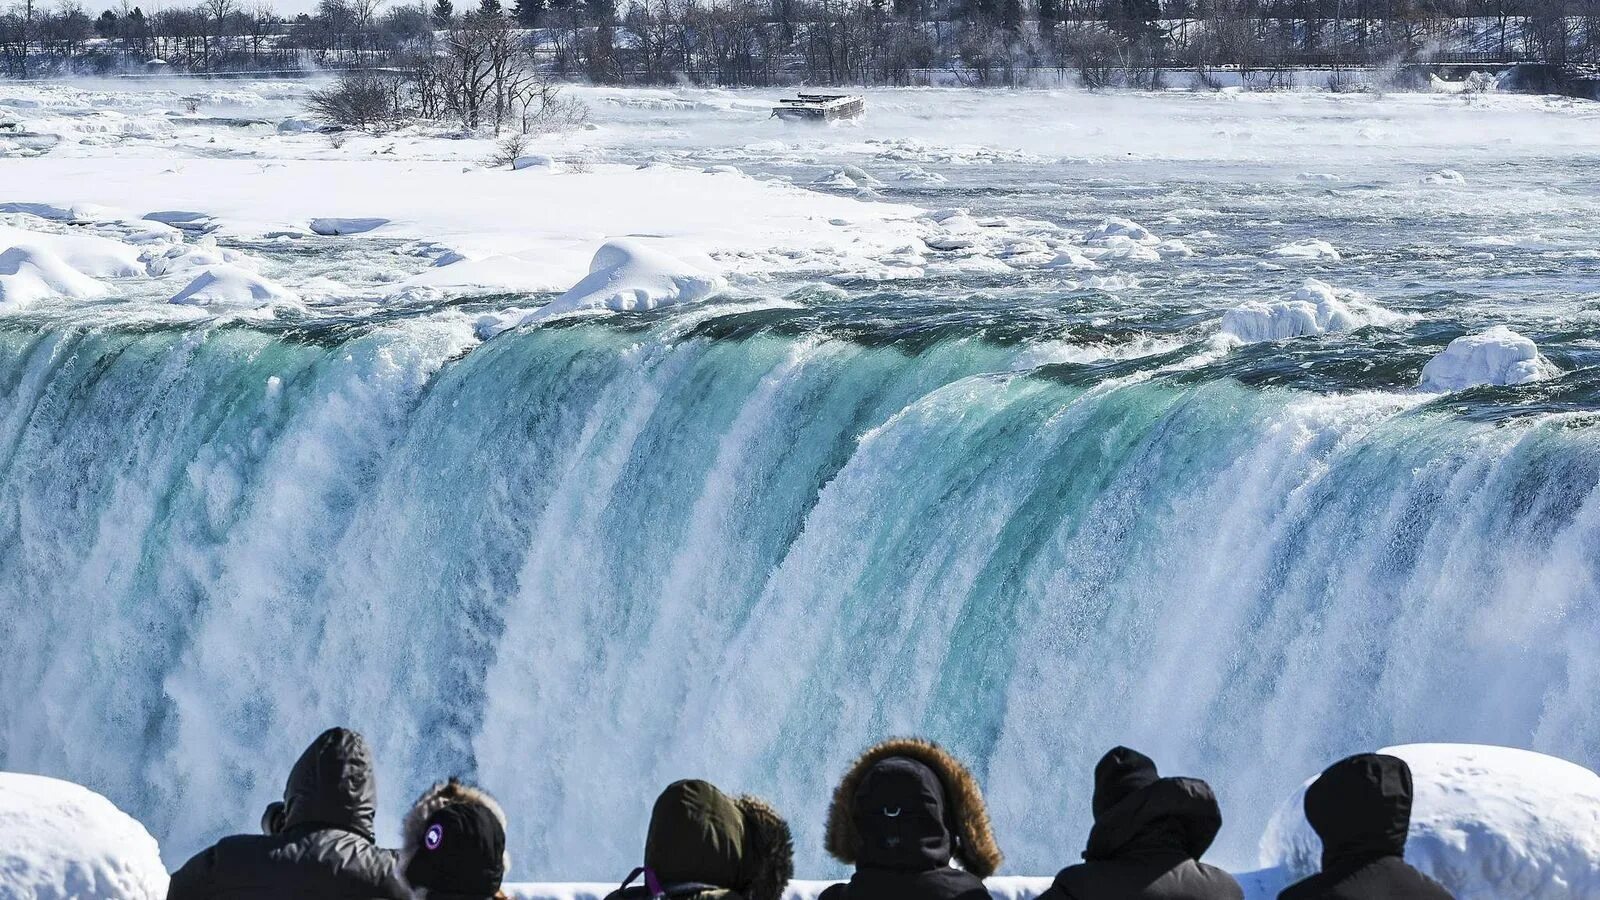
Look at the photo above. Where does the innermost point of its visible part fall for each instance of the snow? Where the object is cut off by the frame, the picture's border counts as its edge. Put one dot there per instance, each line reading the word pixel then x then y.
pixel 231 285
pixel 336 226
pixel 536 161
pixel 625 275
pixel 94 256
pixel 1445 176
pixel 1498 356
pixel 29 274
pixel 65 842
pixel 1488 822
pixel 559 218
pixel 1305 250
pixel 1316 308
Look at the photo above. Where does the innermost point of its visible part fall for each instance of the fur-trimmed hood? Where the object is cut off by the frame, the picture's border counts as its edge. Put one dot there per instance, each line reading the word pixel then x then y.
pixel 958 820
pixel 699 835
pixel 443 794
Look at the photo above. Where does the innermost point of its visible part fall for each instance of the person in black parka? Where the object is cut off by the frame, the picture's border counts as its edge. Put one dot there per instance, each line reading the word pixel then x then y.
pixel 323 844
pixel 1148 836
pixel 705 845
pixel 1361 808
pixel 903 812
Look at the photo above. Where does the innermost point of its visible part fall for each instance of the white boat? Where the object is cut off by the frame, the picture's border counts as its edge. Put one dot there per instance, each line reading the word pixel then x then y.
pixel 809 107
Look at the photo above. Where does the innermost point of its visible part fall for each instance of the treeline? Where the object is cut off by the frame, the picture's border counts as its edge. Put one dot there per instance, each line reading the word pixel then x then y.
pixel 763 42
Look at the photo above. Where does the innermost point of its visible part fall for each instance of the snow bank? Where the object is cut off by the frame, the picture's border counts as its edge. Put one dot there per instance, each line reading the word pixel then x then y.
pixel 1305 250
pixel 231 285
pixel 1316 308
pixel 94 256
pixel 1496 356
pixel 28 274
pixel 334 225
pixel 1488 822
pixel 625 276
pixel 64 841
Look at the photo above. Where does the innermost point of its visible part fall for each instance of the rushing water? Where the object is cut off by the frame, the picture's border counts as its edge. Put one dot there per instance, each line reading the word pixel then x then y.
pixel 1027 518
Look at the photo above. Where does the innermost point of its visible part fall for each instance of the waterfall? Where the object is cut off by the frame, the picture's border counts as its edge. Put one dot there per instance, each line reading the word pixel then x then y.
pixel 579 561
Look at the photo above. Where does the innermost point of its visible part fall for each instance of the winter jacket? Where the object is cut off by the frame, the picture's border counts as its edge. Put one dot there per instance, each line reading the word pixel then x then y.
pixel 472 870
pixel 705 845
pixel 325 850
pixel 903 812
pixel 1361 808
pixel 1148 836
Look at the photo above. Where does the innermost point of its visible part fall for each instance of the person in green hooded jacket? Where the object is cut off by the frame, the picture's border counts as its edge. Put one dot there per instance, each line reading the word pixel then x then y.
pixel 705 845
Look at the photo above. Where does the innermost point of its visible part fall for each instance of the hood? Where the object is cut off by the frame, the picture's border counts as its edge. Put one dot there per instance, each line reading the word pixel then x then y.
pixel 468 847
pixel 700 835
pixel 413 830
pixel 1361 808
pixel 1169 816
pixel 1120 773
pixel 332 785
pixel 908 805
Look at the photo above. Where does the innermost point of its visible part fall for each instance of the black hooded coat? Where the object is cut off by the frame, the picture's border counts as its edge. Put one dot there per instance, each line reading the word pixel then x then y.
pixel 911 809
pixel 1361 808
pixel 1148 836
pixel 705 845
pixel 324 850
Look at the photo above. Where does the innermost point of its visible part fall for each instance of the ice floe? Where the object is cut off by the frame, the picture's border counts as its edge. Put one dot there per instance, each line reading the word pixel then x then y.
pixel 1316 308
pixel 1305 250
pixel 1498 356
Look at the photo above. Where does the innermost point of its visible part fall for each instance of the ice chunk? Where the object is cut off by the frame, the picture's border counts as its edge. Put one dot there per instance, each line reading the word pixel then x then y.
pixel 336 226
pixel 1307 250
pixel 64 841
pixel 1114 229
pixel 626 275
pixel 1496 356
pixel 203 255
pixel 1316 308
pixel 1071 258
pixel 1488 822
pixel 232 285
pixel 33 273
pixel 1445 176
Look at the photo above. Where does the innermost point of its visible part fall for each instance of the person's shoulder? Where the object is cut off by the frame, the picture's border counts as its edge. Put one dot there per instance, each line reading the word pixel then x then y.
pixel 1221 881
pixel 1310 888
pixel 833 892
